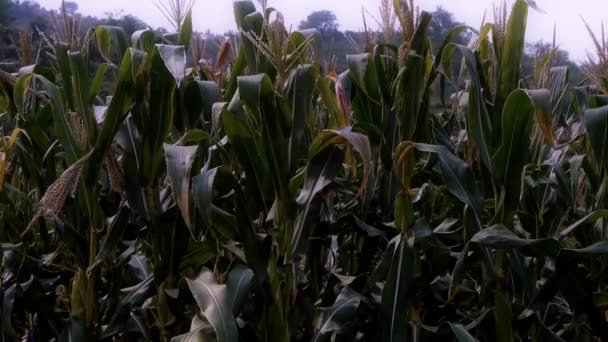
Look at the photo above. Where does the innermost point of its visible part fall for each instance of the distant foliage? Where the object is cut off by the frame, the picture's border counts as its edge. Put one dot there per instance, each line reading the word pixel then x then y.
pixel 324 21
pixel 176 186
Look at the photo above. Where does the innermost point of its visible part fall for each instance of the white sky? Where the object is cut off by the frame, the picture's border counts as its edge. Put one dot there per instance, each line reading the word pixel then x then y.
pixel 216 15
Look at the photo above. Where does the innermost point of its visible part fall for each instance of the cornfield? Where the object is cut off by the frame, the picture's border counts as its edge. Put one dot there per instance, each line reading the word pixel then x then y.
pixel 263 196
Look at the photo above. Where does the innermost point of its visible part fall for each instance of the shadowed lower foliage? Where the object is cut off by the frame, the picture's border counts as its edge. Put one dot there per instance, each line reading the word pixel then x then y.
pixel 262 197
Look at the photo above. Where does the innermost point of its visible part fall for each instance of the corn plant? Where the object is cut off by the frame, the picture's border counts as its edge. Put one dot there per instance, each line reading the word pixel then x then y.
pixel 145 195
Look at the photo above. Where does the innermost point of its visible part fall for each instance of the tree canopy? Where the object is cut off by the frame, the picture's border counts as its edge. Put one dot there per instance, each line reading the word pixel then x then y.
pixel 4 7
pixel 324 21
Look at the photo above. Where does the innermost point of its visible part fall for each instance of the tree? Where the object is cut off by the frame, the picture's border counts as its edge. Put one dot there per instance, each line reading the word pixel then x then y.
pixel 70 7
pixel 4 8
pixel 443 22
pixel 129 23
pixel 536 51
pixel 324 21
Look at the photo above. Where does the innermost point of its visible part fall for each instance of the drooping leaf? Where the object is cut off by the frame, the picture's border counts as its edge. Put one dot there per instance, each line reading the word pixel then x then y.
pixel 179 164
pixel 500 237
pixel 8 300
pixel 598 248
pixel 596 121
pixel 461 333
pixel 542 99
pixel 143 40
pixel 174 58
pixel 358 141
pixel 210 183
pixel 200 331
pixel 214 302
pixel 456 173
pixel 334 318
pixel 111 42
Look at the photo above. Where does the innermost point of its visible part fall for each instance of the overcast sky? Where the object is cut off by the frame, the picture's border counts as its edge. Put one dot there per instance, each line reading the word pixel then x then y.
pixel 216 15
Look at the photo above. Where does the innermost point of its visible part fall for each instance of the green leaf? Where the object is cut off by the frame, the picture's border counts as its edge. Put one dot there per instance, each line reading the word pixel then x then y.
pixel 63 63
pixel 156 120
pixel 193 137
pixel 200 331
pixel 75 331
pixel 179 165
pixel 80 81
pixel 174 58
pixel 199 98
pixel 239 282
pixel 596 121
pixel 242 140
pixel 598 248
pixel 242 8
pixel 97 82
pixel 336 118
pixel 204 189
pixel 198 254
pixel 513 51
pixel 111 42
pixel 461 333
pixel 478 119
pixel 514 151
pixel 214 301
pixel 344 136
pixel 122 101
pixel 395 307
pixel 500 237
pixel 456 173
pixel 321 171
pixel 336 317
pixel 20 92
pixel 542 99
pixel 273 126
pixel 301 41
pixel 143 40
pixel 366 96
pixel 8 301
pixel 185 31
pixel 61 126
pixel 408 95
pixel 419 42
pixel 591 218
pixel 300 90
pixel 116 227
